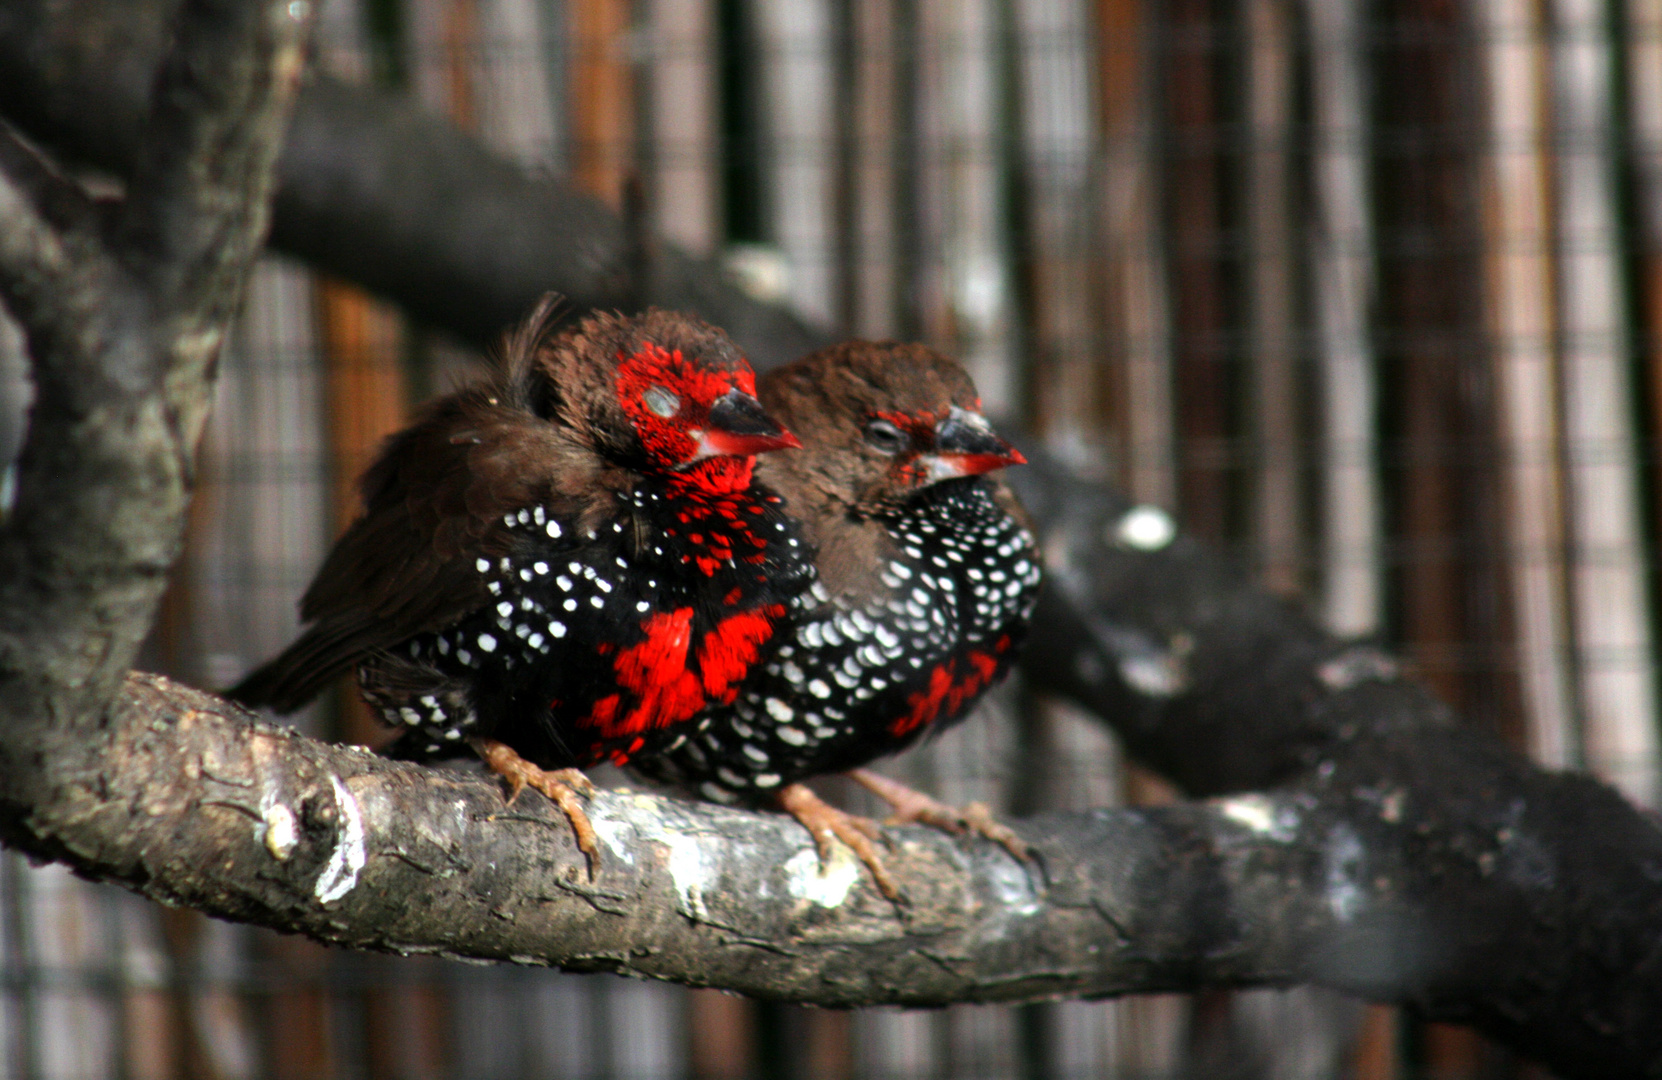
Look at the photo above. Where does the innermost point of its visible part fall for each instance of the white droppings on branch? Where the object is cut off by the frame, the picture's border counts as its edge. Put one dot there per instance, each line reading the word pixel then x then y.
pixel 1013 885
pixel 691 873
pixel 1356 665
pixel 1345 860
pixel 828 885
pixel 277 830
pixel 691 857
pixel 693 869
pixel 340 874
pixel 615 833
pixel 1144 664
pixel 1262 815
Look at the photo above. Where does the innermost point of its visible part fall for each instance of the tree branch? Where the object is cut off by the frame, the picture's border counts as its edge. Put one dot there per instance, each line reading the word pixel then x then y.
pixel 1409 860
pixel 1530 902
pixel 206 808
pixel 46 284
pixel 198 202
pixel 122 330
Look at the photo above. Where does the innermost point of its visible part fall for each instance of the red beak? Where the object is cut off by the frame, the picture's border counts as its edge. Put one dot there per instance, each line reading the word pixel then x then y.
pixel 976 464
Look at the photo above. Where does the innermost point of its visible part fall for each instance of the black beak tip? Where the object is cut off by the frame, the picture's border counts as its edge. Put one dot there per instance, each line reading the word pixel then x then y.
pixel 955 436
pixel 745 427
pixel 737 413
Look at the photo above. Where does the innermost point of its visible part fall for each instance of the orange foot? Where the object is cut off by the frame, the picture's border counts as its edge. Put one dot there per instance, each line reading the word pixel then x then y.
pixel 914 807
pixel 824 821
pixel 562 786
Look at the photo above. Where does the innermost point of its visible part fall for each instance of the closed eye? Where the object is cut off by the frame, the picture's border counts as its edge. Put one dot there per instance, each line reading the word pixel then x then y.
pixel 662 402
pixel 884 436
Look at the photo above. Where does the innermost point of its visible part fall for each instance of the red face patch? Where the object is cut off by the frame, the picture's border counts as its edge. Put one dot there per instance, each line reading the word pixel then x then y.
pixel 655 380
pixel 908 471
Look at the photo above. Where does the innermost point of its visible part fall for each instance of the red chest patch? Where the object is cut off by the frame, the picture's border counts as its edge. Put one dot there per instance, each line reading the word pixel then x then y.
pixel 666 689
pixel 713 528
pixel 730 649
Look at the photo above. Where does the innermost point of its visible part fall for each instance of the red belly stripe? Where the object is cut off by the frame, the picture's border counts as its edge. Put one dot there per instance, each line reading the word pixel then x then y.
pixel 945 694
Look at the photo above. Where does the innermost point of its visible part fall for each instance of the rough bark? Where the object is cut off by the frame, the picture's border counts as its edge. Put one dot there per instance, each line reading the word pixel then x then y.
pixel 203 807
pixel 1378 847
pixel 124 305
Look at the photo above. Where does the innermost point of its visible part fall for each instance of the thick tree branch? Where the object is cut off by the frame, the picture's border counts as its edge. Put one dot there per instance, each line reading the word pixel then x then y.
pixel 200 806
pixel 122 330
pixel 198 201
pixel 1532 901
pixel 47 284
pixel 1402 857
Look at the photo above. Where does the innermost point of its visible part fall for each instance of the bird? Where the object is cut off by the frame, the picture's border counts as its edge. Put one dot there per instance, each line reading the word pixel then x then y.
pixel 563 566
pixel 926 572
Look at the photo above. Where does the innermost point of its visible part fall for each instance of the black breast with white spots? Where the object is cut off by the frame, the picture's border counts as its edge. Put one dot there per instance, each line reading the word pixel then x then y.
pixel 864 676
pixel 596 646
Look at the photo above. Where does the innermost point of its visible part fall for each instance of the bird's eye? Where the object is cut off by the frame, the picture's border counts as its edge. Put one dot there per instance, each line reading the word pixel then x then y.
pixel 884 436
pixel 661 401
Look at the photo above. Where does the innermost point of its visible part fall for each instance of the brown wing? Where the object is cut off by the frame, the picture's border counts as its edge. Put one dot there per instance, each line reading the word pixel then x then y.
pixel 434 505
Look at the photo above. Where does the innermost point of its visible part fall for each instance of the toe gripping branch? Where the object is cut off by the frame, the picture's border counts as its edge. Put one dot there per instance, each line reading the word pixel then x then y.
pixel 825 822
pixel 912 807
pixel 565 788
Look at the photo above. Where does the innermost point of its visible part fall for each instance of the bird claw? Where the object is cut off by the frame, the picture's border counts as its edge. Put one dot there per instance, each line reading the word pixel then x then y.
pixel 562 787
pixel 913 807
pixel 824 821
pixel 979 817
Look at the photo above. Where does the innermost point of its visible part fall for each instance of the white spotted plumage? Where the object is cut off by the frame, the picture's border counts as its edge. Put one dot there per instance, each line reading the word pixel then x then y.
pixel 964 574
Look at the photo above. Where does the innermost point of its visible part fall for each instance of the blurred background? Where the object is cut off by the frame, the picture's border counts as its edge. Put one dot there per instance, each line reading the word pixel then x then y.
pixel 1369 294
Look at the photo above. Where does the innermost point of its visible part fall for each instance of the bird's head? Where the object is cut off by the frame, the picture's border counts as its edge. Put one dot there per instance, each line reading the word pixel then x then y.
pixel 662 393
pixel 883 421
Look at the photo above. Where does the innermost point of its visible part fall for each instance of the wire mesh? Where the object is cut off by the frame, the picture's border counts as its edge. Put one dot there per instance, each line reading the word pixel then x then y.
pixel 1370 294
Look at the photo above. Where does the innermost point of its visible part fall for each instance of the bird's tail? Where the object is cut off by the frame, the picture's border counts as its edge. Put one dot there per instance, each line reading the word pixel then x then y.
pixel 295 676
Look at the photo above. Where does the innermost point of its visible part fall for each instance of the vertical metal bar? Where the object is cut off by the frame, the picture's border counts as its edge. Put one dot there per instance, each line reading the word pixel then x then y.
pixel 1276 383
pixel 685 174
pixel 25 971
pixel 907 226
pixel 1341 243
pixel 1194 218
pixel 1521 300
pixel 1609 568
pixel 600 96
pixel 1136 312
pixel 640 185
pixel 845 218
pixel 1342 275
